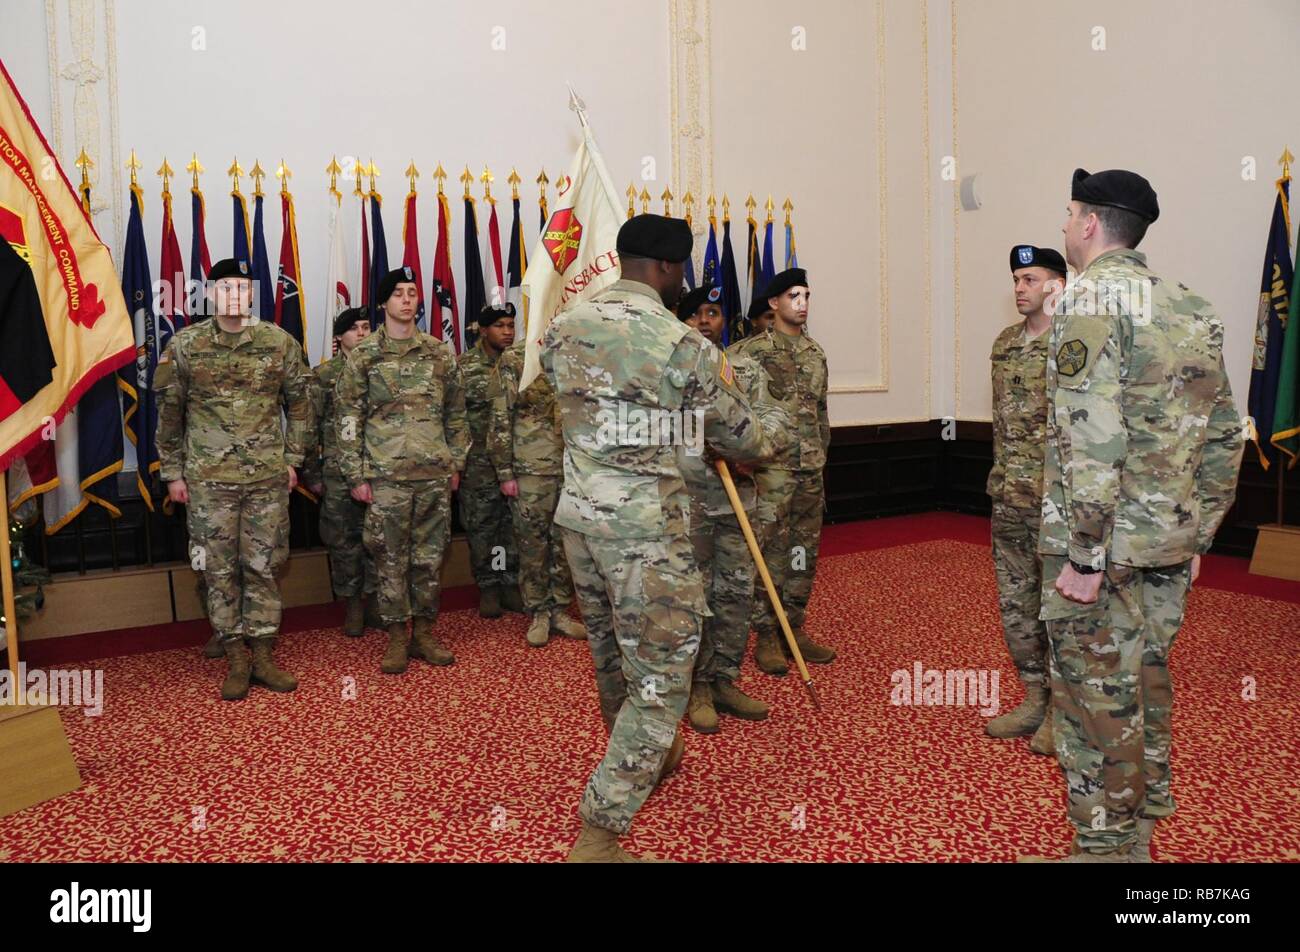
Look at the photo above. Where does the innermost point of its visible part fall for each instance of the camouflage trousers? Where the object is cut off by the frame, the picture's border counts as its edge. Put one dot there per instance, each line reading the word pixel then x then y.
pixel 239 540
pixel 643 605
pixel 342 520
pixel 406 533
pixel 1113 700
pixel 789 516
pixel 727 570
pixel 544 581
pixel 485 516
pixel 1020 581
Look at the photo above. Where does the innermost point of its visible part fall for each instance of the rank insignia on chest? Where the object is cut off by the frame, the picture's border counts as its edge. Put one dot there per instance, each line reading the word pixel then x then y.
pixel 1072 356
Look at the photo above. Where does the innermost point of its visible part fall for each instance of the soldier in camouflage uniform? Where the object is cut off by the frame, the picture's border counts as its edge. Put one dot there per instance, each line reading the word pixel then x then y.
pixel 526 446
pixel 221 385
pixel 484 511
pixel 790 493
pixel 630 378
pixel 1016 485
pixel 720 549
pixel 1144 443
pixel 402 442
pixel 342 518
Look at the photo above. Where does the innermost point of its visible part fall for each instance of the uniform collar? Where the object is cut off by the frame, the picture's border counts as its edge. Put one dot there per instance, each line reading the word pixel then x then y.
pixel 226 339
pixel 628 286
pixel 393 344
pixel 1117 254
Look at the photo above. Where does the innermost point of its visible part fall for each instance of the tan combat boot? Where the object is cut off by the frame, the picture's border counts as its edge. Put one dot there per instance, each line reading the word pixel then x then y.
pixel 427 647
pixel 265 672
pixel 214 649
pixel 539 630
pixel 598 845
pixel 729 699
pixel 489 602
pixel 1024 719
pixel 395 655
pixel 1142 848
pixel 354 625
pixel 235 687
pixel 674 756
pixel 699 709
pixel 511 600
pixel 768 656
pixel 812 652
pixel 372 619
pixel 1043 742
pixel 562 624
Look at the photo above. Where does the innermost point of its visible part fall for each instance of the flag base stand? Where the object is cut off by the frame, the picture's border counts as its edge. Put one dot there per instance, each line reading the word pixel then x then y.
pixel 35 760
pixel 1277 552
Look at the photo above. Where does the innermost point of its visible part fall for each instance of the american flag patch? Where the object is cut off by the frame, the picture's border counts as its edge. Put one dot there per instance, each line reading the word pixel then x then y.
pixel 726 371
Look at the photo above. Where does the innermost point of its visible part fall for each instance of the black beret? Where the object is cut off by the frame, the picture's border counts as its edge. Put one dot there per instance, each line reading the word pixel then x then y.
pixel 490 314
pixel 402 275
pixel 757 308
pixel 230 268
pixel 692 301
pixel 1027 256
pixel 347 319
pixel 1118 189
pixel 787 279
pixel 657 237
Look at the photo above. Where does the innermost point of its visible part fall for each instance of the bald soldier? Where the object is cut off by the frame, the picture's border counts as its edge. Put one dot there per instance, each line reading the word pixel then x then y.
pixel 726 565
pixel 1015 485
pixel 224 455
pixel 403 438
pixel 1143 447
pixel 633 384
pixel 791 496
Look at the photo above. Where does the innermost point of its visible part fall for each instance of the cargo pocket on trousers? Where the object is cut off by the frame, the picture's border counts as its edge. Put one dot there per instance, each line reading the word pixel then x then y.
pixel 674 609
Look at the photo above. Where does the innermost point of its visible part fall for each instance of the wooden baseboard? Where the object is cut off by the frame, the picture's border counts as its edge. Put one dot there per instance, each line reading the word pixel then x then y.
pixel 35 760
pixel 1277 552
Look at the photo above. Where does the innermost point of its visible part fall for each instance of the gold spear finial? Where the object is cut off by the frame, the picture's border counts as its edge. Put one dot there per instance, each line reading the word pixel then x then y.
pixel 440 173
pixel 194 168
pixel 283 174
pixel 750 205
pixel 487 178
pixel 769 207
pixel 712 203
pixel 412 173
pixel 84 163
pixel 133 164
pixel 164 170
pixel 1286 160
pixel 726 208
pixel 468 178
pixel 360 170
pixel 645 200
pixel 688 200
pixel 333 170
pixel 789 207
pixel 667 196
pixel 631 200
pixel 235 171
pixel 258 173
pixel 514 181
pixel 372 170
pixel 542 180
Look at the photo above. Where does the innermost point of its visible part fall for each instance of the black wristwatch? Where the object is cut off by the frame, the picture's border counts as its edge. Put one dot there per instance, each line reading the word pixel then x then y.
pixel 1083 569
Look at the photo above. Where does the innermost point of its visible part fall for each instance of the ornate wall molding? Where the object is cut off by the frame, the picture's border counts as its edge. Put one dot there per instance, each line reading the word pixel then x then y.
pixel 691 101
pixel 83 71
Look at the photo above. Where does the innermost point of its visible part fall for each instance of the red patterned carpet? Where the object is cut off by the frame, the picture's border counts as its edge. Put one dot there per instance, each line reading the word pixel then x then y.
pixel 486 760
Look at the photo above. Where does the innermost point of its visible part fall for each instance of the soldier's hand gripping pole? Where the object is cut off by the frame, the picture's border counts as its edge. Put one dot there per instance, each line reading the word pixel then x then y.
pixel 754 550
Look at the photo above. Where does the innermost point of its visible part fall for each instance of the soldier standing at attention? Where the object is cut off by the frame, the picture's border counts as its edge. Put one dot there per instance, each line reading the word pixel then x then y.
pixel 1143 446
pixel 790 493
pixel 1016 486
pixel 402 441
pixel 725 563
pixel 341 516
pixel 622 356
pixel 225 456
pixel 484 511
pixel 526 445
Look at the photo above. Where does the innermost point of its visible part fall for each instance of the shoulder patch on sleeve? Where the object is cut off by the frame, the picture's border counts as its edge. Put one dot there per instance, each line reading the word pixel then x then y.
pixel 1072 357
pixel 725 371
pixel 1083 338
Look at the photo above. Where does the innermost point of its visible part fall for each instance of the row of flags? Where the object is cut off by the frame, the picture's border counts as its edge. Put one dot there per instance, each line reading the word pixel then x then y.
pixel 1274 401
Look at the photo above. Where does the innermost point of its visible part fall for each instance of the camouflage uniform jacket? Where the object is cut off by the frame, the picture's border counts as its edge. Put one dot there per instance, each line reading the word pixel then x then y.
pixel 1019 417
pixel 400 410
pixel 524 435
pixel 476 369
pixel 1144 440
pixel 220 397
pixel 324 459
pixel 623 367
pixel 796 378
